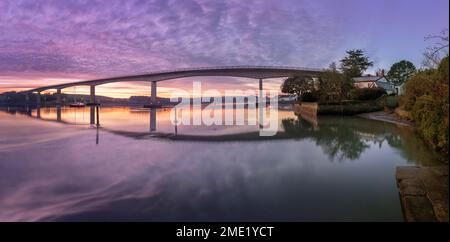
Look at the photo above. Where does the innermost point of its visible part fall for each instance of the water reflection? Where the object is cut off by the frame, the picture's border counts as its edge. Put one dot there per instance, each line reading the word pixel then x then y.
pixel 338 139
pixel 52 170
pixel 58 114
pixel 152 119
pixel 97 135
pixel 341 138
pixel 346 138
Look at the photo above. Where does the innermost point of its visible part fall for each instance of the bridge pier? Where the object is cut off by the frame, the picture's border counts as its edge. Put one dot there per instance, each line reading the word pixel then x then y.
pixel 153 105
pixel 261 104
pixel 154 93
pixel 58 105
pixel 38 104
pixel 92 106
pixel 58 98
pixel 27 101
pixel 38 99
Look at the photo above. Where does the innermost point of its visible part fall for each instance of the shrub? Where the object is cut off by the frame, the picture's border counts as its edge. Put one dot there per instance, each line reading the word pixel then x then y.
pixel 310 97
pixel 391 102
pixel 426 96
pixel 443 70
pixel 350 108
pixel 418 85
pixel 430 121
pixel 367 93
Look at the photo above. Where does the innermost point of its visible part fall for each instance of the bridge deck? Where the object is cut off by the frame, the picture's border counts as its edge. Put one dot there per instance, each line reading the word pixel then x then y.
pixel 255 72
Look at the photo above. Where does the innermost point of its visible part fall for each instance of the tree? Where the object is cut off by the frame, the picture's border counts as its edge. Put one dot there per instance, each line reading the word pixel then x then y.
pixel 355 63
pixel 332 85
pixel 297 85
pixel 436 52
pixel 400 72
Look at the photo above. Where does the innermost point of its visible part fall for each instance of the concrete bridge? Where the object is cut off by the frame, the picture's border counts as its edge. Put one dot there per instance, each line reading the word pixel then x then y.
pixel 255 72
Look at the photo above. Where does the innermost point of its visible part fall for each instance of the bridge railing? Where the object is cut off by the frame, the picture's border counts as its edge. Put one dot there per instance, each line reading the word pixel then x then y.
pixel 233 67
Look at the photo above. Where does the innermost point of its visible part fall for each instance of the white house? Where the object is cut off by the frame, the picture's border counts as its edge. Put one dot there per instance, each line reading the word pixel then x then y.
pixel 400 89
pixel 379 81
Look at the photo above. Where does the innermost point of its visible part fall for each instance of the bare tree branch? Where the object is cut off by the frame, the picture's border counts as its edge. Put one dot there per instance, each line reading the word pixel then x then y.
pixel 433 54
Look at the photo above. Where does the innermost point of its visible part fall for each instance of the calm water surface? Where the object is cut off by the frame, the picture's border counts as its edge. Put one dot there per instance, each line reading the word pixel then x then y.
pixel 330 169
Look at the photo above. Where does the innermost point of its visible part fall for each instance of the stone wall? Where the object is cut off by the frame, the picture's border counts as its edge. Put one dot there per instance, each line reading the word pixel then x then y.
pixel 423 193
pixel 306 108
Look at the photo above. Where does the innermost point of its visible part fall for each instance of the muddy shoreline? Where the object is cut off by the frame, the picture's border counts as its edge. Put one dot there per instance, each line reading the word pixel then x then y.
pixel 386 117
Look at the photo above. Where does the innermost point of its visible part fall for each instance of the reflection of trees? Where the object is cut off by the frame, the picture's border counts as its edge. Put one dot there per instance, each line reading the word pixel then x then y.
pixel 394 141
pixel 338 140
pixel 297 127
pixel 341 142
pixel 413 148
pixel 347 137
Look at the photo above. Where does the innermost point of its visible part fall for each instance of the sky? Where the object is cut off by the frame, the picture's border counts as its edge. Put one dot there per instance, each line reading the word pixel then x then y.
pixel 44 42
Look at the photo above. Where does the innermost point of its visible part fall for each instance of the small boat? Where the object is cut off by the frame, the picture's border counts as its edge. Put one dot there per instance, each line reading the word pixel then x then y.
pixel 77 105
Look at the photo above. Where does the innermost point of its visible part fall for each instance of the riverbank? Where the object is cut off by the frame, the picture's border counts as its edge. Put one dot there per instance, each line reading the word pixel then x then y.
pixel 423 190
pixel 423 193
pixel 386 117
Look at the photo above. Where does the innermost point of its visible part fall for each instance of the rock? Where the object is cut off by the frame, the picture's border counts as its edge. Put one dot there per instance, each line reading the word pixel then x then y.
pixel 440 208
pixel 412 187
pixel 404 172
pixel 423 192
pixel 418 209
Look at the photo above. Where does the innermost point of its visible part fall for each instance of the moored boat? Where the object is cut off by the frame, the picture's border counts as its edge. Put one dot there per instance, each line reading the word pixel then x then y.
pixel 77 105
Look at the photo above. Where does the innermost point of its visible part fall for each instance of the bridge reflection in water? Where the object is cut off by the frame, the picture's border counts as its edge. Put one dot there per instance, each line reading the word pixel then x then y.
pixel 84 115
pixel 342 138
pixel 94 114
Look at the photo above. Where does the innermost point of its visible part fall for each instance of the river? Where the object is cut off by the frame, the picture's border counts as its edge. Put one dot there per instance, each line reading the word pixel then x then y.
pixel 330 169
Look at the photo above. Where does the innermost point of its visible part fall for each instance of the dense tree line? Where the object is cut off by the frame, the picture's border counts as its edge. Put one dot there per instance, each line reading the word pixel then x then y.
pixel 426 97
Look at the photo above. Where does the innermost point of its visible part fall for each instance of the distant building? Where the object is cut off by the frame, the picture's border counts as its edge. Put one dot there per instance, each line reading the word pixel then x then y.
pixel 378 81
pixel 400 89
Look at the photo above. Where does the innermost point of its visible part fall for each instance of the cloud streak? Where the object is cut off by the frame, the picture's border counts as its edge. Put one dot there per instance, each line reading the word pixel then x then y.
pixel 109 38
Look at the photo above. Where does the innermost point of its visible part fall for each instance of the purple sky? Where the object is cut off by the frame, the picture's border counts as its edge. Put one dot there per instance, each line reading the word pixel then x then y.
pixel 48 41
